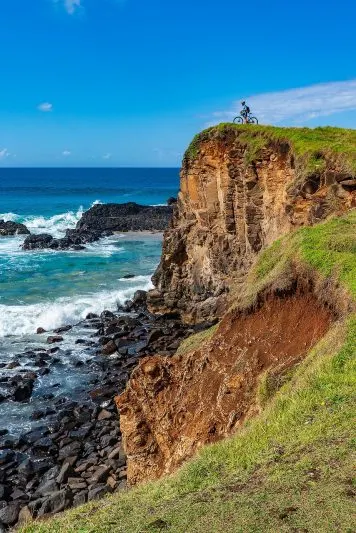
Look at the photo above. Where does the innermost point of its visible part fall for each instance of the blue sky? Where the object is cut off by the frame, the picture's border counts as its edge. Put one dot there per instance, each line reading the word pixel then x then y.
pixel 129 82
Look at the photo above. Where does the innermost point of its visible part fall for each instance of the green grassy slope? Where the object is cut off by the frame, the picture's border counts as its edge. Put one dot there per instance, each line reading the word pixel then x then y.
pixel 312 148
pixel 290 469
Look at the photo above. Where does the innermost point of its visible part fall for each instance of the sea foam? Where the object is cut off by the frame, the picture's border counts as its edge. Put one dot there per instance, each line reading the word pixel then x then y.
pixel 25 319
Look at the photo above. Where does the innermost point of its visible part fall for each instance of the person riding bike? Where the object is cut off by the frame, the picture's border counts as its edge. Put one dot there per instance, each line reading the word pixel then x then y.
pixel 245 116
pixel 245 111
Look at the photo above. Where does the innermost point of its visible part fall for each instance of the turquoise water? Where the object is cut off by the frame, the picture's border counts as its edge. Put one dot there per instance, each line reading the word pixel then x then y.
pixel 47 288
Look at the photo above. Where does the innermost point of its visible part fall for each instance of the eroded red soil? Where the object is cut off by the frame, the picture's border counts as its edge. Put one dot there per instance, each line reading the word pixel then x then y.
pixel 173 406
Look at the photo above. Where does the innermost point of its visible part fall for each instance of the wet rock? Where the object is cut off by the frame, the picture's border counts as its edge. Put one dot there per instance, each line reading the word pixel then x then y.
pixel 10 228
pixel 90 316
pixel 125 217
pixel 107 315
pixel 35 242
pixel 40 466
pixel 23 391
pixel 32 436
pixel 13 364
pixel 54 338
pixel 6 456
pixel 40 331
pixel 63 329
pixel 109 348
pixel 10 442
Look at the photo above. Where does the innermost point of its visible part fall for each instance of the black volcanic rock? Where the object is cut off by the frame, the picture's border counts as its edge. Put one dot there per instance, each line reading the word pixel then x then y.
pixel 12 228
pixel 125 217
pixel 35 242
pixel 103 220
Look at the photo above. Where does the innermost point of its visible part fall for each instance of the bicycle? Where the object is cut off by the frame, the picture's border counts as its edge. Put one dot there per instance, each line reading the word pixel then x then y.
pixel 249 119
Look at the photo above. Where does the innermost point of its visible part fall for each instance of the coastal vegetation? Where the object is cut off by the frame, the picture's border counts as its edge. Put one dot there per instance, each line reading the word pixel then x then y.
pixel 289 469
pixel 313 149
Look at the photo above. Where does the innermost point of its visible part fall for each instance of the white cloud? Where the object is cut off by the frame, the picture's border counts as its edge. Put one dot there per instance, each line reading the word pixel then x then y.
pixel 46 107
pixel 296 105
pixel 4 153
pixel 66 153
pixel 107 156
pixel 72 5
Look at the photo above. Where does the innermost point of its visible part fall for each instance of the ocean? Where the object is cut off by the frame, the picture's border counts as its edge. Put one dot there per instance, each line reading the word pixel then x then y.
pixel 50 289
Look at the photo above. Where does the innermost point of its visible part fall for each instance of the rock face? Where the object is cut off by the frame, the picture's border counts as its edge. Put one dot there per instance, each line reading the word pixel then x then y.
pixel 173 406
pixel 241 189
pixel 125 217
pixel 12 228
pixel 228 210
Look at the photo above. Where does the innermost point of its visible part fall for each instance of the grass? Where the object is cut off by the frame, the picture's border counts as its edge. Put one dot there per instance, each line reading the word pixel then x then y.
pixel 313 149
pixel 194 341
pixel 290 469
pixel 328 249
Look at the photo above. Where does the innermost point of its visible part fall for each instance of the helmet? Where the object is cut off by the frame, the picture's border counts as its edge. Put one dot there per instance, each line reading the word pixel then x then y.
pixel 243 103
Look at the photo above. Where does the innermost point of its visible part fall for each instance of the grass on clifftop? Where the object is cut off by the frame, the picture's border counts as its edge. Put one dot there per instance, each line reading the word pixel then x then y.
pixel 328 248
pixel 290 469
pixel 312 148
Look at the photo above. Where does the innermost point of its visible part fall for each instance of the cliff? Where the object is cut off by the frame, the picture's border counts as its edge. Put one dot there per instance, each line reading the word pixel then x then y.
pixel 270 387
pixel 241 188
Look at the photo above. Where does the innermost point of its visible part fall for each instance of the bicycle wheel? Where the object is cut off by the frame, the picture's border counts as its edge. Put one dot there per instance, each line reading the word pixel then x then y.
pixel 238 120
pixel 252 120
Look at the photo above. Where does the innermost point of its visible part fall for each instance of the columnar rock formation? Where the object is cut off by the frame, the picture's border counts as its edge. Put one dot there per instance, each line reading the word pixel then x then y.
pixel 231 204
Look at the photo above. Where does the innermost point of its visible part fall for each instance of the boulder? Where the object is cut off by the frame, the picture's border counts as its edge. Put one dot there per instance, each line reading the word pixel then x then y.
pixel 109 348
pixel 54 338
pixel 37 242
pixel 10 228
pixel 57 502
pixel 9 514
pixel 125 217
pixel 98 492
pixel 23 390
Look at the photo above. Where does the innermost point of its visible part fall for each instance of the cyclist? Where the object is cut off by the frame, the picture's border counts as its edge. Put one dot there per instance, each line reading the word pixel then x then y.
pixel 245 111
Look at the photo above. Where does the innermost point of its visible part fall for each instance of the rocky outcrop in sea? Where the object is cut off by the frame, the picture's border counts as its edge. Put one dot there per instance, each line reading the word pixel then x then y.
pixel 103 220
pixel 12 228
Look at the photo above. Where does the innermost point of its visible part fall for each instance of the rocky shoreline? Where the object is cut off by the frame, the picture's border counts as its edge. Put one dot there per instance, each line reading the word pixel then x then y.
pixel 75 455
pixel 71 451
pixel 103 220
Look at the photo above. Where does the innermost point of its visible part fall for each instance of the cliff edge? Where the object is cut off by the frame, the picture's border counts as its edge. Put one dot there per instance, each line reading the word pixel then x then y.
pixel 240 189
